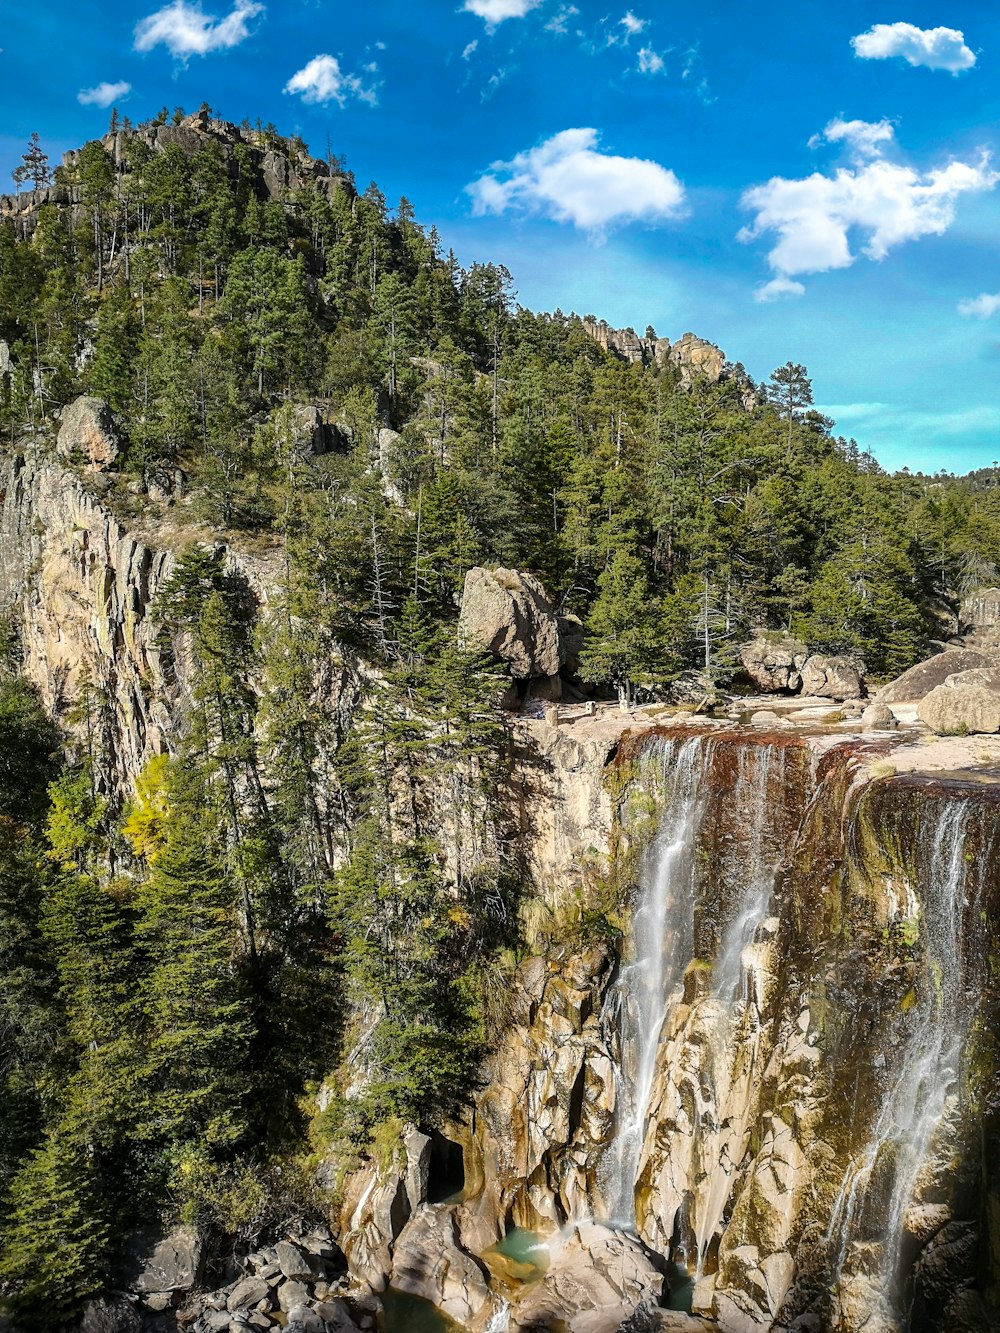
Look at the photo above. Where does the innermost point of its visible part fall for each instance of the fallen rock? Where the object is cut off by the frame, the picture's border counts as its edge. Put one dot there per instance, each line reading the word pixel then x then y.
pixel 774 665
pixel 832 678
pixel 294 1264
pixel 428 1262
pixel 878 717
pixel 914 684
pixel 766 719
pixel 598 1281
pixel 247 1293
pixel 114 1316
pixel 508 613
pixel 967 703
pixel 89 432
pixel 164 1263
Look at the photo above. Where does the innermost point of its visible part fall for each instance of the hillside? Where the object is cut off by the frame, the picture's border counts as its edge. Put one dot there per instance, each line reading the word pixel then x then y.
pixel 279 869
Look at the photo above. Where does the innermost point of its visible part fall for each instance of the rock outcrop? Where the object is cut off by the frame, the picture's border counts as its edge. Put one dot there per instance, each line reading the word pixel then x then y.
pixel 88 433
pixel 779 665
pixel 914 684
pixel 509 614
pixel 967 703
pixel 429 1262
pixel 979 618
pixel 832 678
pixel 773 664
pixel 598 1280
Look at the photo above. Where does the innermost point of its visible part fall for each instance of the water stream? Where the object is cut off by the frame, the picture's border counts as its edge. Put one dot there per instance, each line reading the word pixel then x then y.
pixel 926 1076
pixel 662 944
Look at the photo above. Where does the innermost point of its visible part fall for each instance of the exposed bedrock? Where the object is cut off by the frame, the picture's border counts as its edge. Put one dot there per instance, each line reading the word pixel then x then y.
pixel 799 1117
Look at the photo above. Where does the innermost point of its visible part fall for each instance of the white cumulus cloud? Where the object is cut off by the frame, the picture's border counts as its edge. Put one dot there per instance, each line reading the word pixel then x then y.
pixel 980 307
pixel 497 11
pixel 865 138
pixel 187 31
pixel 322 80
pixel 567 178
pixel 937 48
pixel 631 24
pixel 816 219
pixel 777 289
pixel 104 94
pixel 650 61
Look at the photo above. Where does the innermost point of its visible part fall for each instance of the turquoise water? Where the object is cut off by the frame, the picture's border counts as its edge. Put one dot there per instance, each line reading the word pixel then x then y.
pixel 526 1248
pixel 402 1313
pixel 680 1284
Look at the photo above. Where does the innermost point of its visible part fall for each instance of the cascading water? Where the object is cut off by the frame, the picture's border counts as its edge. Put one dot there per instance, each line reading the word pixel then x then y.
pixel 760 767
pixel 938 1022
pixel 662 943
pixel 663 929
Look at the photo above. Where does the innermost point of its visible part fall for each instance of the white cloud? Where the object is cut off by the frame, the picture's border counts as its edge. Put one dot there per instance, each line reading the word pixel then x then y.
pixel 632 25
pixel 980 307
pixel 567 178
pixel 104 94
pixel 937 48
pixel 560 20
pixel 815 218
pixel 322 80
pixel 186 31
pixel 650 61
pixel 865 138
pixel 470 48
pixel 777 289
pixel 497 11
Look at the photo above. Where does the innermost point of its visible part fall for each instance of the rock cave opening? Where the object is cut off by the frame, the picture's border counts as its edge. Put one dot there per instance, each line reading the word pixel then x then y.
pixel 446 1173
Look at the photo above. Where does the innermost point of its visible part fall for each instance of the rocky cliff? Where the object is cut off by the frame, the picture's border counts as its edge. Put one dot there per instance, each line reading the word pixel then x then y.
pixel 755 1034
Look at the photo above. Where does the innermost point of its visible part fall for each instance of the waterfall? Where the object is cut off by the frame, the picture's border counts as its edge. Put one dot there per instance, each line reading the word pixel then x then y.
pixel 662 944
pixel 937 1025
pixel 758 766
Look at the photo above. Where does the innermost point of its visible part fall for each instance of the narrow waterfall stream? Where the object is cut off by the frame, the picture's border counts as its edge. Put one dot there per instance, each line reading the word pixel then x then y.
pixel 663 929
pixel 663 939
pixel 914 1109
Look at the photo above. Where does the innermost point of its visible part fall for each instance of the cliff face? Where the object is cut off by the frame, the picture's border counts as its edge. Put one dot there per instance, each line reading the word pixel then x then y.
pixel 775 1061
pixel 79 586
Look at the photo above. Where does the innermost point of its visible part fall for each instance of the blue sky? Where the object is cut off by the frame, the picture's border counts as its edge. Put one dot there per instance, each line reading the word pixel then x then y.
pixel 811 182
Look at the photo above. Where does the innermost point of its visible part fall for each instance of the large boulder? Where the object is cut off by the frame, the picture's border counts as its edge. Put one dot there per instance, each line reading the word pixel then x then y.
pixel 968 702
pixel 508 613
pixel 914 684
pixel 88 432
pixel 774 665
pixel 429 1262
pixel 598 1281
pixel 157 1262
pixel 832 678
pixel 979 616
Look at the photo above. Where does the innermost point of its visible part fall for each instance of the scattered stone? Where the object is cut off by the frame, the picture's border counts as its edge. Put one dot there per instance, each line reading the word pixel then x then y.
pixel 766 719
pixel 598 1280
pixel 247 1293
pixel 878 717
pixel 294 1263
pixel 89 432
pixel 292 1293
pixel 114 1316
